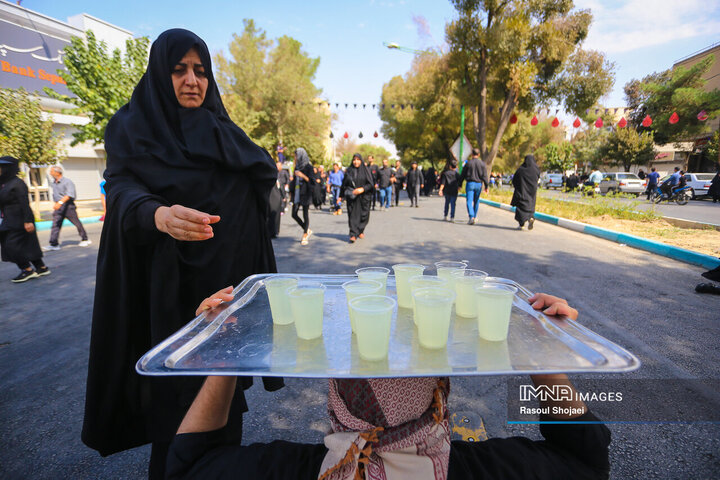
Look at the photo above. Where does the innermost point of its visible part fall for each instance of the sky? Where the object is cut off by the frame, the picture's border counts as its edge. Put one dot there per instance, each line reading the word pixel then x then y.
pixel 638 36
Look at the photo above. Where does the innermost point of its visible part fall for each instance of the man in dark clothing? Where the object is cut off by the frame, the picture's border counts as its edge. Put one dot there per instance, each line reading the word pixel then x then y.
pixel 414 181
pixel 64 198
pixel 476 175
pixel 430 181
pixel 385 176
pixel 398 181
pixel 572 182
pixel 283 182
pixel 374 172
pixel 652 182
pixel 449 185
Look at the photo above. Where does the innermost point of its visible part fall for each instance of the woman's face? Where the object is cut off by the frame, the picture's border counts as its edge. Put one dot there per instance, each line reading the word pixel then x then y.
pixel 356 162
pixel 189 80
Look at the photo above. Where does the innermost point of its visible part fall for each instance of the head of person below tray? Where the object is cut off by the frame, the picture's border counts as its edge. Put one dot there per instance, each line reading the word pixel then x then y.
pixel 396 428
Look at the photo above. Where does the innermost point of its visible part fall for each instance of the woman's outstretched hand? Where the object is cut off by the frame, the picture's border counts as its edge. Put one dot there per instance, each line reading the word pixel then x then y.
pixel 224 295
pixel 185 224
pixel 551 305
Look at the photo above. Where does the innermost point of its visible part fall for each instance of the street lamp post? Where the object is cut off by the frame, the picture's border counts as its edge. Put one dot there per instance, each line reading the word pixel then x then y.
pixel 395 46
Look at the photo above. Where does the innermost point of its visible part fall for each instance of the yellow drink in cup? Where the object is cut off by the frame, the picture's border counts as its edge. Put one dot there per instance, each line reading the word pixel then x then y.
pixel 425 281
pixel 373 316
pixel 277 288
pixel 494 304
pixel 465 282
pixel 377 274
pixel 359 288
pixel 446 269
pixel 433 307
pixel 403 273
pixel 306 303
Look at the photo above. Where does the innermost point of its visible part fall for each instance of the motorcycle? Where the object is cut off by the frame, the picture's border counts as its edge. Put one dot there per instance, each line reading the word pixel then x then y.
pixel 680 195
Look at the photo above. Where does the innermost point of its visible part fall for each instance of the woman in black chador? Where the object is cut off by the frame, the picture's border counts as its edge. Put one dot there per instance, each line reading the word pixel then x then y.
pixel 18 238
pixel 187 201
pixel 357 190
pixel 525 183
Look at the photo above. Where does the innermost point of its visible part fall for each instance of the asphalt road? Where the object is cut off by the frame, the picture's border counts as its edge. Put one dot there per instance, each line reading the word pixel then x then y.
pixel 642 302
pixel 700 210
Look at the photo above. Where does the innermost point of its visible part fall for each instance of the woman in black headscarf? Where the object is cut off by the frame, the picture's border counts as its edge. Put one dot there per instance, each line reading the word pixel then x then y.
pixel 357 190
pixel 18 237
pixel 187 199
pixel 304 186
pixel 525 183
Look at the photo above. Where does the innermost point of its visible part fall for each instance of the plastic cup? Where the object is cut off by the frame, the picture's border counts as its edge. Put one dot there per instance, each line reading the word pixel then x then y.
pixel 433 307
pixel 465 282
pixel 425 281
pixel 306 303
pixel 378 274
pixel 494 305
pixel 277 288
pixel 373 315
pixel 360 288
pixel 403 273
pixel 445 269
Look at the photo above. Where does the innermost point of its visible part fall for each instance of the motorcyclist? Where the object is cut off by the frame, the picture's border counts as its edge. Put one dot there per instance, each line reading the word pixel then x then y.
pixel 668 184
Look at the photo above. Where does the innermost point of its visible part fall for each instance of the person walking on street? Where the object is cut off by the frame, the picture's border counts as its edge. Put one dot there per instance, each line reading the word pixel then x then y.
pixel 414 181
pixel 714 191
pixel 652 182
pixel 18 238
pixel 335 181
pixel 385 176
pixel 398 181
pixel 64 207
pixel 304 184
pixel 357 190
pixel 476 175
pixel 374 172
pixel 430 181
pixel 449 186
pixel 525 182
pixel 283 181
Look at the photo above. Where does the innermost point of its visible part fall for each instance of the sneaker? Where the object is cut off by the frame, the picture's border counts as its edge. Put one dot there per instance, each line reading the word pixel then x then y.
pixel 445 218
pixel 309 234
pixel 304 241
pixel 85 243
pixel 474 220
pixel 24 276
pixel 362 235
pixel 417 206
pixel 42 271
pixel 470 221
pixel 49 248
pixel 530 223
pixel 452 219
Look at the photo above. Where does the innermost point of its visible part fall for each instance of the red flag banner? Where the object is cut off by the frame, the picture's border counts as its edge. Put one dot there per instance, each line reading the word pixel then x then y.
pixel 555 122
pixel 622 123
pixel 598 123
pixel 702 116
pixel 647 121
pixel 513 119
pixel 674 118
pixel 576 123
pixel 534 120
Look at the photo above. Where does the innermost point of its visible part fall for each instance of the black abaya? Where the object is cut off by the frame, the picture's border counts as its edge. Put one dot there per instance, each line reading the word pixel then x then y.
pixel 358 206
pixel 17 245
pixel 149 284
pixel 525 183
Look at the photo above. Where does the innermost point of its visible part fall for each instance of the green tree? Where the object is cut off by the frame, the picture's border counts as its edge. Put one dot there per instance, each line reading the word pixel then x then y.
pixel 680 90
pixel 24 134
pixel 268 90
pixel 625 147
pixel 518 54
pixel 559 157
pixel 421 114
pixel 102 82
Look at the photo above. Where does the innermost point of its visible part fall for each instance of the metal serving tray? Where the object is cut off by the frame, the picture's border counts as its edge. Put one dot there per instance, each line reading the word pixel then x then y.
pixel 239 338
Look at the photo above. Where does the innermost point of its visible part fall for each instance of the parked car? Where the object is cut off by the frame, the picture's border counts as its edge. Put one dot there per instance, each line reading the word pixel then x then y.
pixel 552 180
pixel 699 183
pixel 624 182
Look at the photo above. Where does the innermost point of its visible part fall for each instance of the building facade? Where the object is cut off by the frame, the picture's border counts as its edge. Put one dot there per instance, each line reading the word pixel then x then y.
pixel 31 53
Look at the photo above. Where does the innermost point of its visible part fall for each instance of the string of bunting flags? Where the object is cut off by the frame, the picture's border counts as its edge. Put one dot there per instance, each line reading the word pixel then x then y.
pixel 622 123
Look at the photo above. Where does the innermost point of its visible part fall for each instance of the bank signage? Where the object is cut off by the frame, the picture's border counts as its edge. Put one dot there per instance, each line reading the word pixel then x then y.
pixel 30 59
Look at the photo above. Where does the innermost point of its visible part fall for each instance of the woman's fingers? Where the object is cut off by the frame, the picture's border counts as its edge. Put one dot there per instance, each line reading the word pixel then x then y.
pixel 551 305
pixel 224 295
pixel 188 224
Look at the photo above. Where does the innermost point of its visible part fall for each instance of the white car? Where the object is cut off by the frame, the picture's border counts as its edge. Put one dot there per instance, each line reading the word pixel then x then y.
pixel 553 180
pixel 699 183
pixel 624 182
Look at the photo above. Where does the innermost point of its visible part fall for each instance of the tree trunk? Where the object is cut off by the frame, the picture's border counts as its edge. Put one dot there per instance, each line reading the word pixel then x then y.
pixel 507 109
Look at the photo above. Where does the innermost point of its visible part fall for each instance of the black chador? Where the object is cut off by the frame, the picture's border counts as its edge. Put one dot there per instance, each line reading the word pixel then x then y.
pixel 525 183
pixel 358 205
pixel 149 284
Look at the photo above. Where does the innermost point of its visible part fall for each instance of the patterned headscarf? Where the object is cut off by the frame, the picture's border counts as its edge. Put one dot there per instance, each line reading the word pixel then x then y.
pixel 388 428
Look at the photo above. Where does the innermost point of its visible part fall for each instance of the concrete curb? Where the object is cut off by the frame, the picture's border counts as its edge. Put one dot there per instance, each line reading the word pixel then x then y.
pixel 676 253
pixel 47 224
